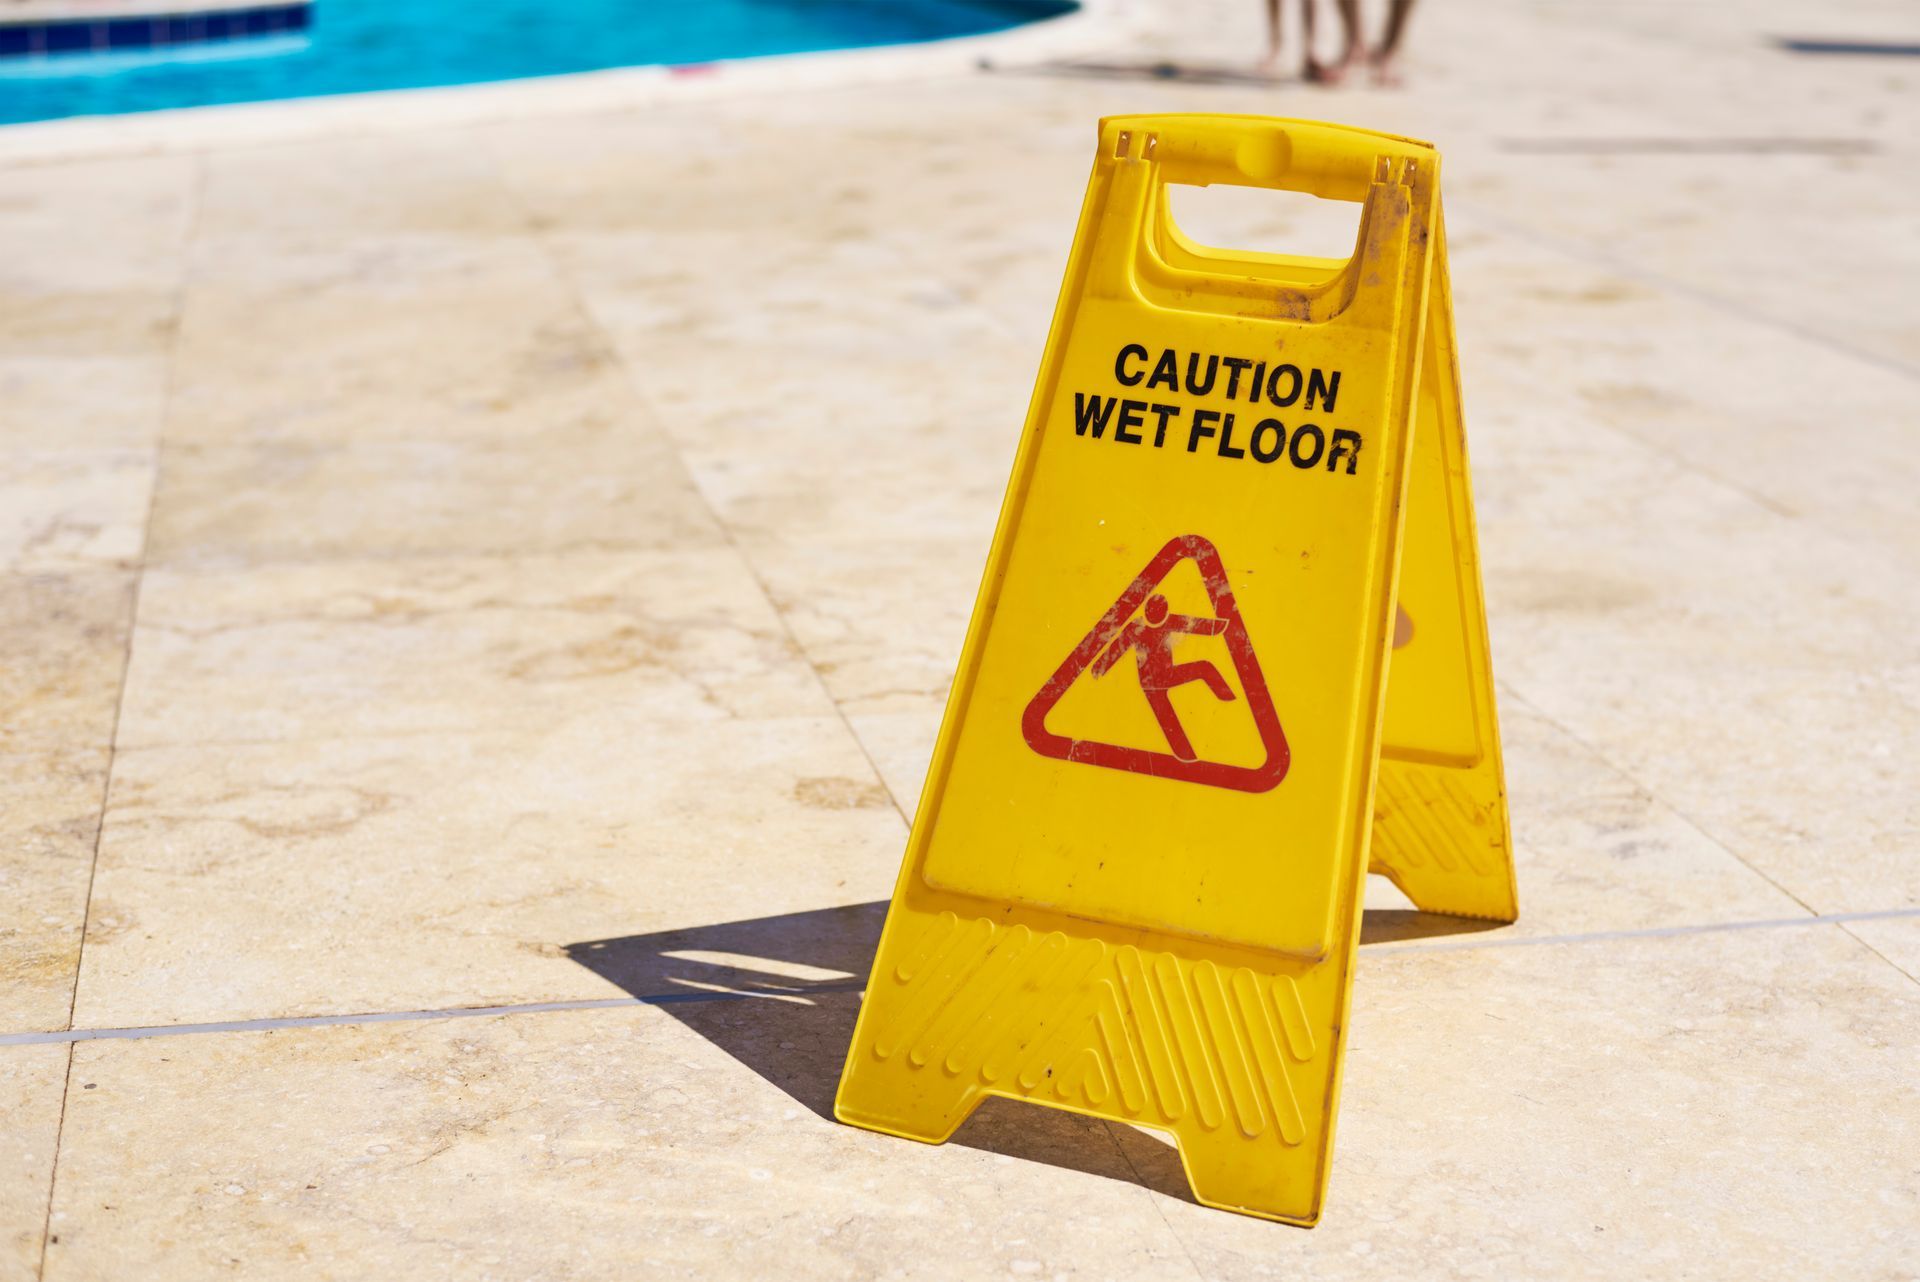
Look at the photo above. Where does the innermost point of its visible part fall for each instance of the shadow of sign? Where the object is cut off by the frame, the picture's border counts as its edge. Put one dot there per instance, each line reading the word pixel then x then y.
pixel 777 993
pixel 1403 925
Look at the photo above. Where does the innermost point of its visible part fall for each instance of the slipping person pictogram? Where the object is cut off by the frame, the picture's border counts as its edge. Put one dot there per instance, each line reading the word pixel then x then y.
pixel 1153 637
pixel 1142 624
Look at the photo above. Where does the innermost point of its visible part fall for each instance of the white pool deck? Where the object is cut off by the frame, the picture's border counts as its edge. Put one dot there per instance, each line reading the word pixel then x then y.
pixel 434 544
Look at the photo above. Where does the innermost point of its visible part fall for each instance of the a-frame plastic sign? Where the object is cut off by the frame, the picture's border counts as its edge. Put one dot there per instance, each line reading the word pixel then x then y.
pixel 1173 751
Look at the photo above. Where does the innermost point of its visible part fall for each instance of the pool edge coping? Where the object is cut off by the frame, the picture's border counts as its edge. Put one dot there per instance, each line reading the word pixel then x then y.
pixel 238 125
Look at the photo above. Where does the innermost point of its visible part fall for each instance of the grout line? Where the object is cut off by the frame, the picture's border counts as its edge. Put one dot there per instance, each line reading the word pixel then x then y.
pixel 696 997
pixel 1863 941
pixel 578 299
pixel 195 196
pixel 1108 1124
pixel 404 1016
pixel 426 732
pixel 59 1133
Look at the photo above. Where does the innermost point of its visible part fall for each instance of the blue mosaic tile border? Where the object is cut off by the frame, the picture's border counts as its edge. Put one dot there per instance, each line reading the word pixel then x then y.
pixel 81 35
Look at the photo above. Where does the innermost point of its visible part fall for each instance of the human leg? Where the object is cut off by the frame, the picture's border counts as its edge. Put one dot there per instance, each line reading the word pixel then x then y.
pixel 1332 73
pixel 1271 62
pixel 1386 59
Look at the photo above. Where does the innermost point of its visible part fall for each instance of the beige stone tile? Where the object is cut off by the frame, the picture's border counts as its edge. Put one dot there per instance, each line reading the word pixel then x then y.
pixel 49 819
pixel 759 181
pixel 305 650
pixel 63 643
pixel 579 489
pixel 709 322
pixel 73 509
pixel 920 443
pixel 111 402
pixel 73 227
pixel 94 258
pixel 32 1080
pixel 121 323
pixel 362 874
pixel 429 184
pixel 392 339
pixel 1656 1107
pixel 593 1145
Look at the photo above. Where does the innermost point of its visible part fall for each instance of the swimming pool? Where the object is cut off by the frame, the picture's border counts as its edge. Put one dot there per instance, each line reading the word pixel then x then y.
pixel 352 46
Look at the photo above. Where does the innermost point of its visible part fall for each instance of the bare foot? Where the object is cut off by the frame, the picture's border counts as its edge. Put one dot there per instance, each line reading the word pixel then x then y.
pixel 1332 73
pixel 1269 66
pixel 1386 71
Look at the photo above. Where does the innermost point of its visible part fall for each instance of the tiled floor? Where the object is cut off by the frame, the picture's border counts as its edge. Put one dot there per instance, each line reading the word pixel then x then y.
pixel 523 564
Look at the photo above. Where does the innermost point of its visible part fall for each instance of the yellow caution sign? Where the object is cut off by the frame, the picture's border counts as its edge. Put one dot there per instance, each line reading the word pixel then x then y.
pixel 1172 751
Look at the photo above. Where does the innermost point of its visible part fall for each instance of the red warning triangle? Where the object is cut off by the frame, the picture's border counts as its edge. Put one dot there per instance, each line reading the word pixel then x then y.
pixel 1119 634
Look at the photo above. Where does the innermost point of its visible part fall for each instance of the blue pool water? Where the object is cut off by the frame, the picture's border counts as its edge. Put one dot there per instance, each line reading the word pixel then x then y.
pixel 356 45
